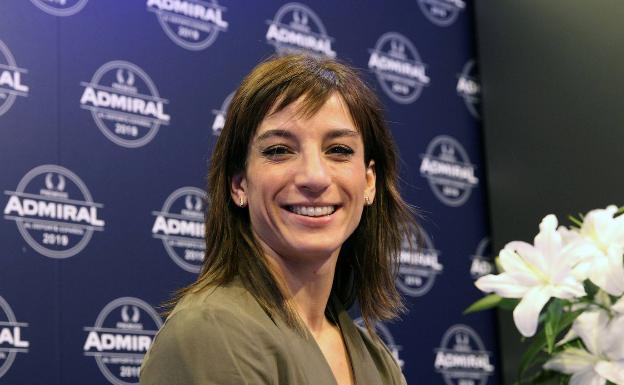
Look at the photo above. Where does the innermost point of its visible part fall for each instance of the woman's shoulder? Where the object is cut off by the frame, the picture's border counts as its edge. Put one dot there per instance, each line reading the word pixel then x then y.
pixel 217 334
pixel 230 308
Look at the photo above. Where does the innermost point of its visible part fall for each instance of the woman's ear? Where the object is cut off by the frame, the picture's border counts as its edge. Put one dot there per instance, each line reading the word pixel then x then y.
pixel 238 189
pixel 371 178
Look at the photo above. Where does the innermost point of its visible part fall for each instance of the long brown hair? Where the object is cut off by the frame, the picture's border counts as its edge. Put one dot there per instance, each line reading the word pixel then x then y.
pixel 367 264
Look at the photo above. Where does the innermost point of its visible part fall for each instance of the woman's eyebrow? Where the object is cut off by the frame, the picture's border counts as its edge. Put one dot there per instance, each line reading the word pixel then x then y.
pixel 280 133
pixel 340 133
pixel 275 132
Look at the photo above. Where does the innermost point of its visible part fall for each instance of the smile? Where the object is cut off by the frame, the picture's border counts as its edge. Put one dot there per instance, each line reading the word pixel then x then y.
pixel 312 211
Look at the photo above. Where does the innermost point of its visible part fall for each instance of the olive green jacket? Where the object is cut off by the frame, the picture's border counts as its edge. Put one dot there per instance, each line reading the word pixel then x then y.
pixel 223 337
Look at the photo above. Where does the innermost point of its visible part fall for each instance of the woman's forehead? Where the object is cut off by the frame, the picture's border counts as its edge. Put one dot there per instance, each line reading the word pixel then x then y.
pixel 331 113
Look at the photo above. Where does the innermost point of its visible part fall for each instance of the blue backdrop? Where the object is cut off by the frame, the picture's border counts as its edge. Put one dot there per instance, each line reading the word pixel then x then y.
pixel 109 111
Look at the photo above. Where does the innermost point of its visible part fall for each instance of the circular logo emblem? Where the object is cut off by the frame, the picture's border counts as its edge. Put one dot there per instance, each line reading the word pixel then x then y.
pixel 398 68
pixel 54 211
pixel 418 268
pixel 220 114
pixel 180 225
pixel 462 358
pixel 10 79
pixel 482 260
pixel 124 103
pixel 441 12
pixel 297 29
pixel 11 340
pixel 120 337
pixel 60 7
pixel 448 169
pixel 193 25
pixel 384 333
pixel 469 88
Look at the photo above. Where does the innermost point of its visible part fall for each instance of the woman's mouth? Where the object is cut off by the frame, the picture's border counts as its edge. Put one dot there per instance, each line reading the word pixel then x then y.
pixel 312 211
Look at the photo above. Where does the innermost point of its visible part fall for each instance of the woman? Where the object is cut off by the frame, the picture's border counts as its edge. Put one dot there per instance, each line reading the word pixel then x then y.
pixel 304 219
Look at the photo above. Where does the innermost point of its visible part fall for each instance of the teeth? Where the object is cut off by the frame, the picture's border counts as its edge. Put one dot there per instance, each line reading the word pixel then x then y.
pixel 310 211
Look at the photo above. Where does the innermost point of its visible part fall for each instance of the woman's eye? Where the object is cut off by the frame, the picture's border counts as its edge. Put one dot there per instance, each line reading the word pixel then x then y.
pixel 275 151
pixel 341 150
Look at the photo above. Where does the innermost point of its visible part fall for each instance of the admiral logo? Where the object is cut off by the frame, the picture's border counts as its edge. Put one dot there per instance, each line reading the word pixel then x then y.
pixel 180 226
pixel 122 334
pixel 12 341
pixel 462 358
pixel 54 211
pixel 125 104
pixel 441 12
pixel 10 79
pixel 191 24
pixel 418 268
pixel 220 114
pixel 448 169
pixel 384 333
pixel 482 261
pixel 60 7
pixel 297 29
pixel 398 68
pixel 469 88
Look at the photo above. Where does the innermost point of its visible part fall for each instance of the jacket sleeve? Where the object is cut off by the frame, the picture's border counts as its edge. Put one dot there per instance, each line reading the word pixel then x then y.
pixel 209 347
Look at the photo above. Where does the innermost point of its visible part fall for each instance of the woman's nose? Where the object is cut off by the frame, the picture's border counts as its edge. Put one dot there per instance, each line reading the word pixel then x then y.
pixel 312 173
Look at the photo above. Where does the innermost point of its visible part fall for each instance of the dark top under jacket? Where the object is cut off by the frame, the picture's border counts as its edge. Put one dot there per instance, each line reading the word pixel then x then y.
pixel 223 337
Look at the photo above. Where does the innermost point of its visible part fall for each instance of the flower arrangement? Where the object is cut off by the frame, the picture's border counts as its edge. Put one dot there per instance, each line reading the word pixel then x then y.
pixel 566 291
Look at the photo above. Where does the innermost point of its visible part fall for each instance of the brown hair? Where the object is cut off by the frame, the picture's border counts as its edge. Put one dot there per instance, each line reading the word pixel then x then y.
pixel 366 265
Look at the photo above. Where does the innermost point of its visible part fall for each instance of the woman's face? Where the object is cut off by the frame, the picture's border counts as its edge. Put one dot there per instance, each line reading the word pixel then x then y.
pixel 306 181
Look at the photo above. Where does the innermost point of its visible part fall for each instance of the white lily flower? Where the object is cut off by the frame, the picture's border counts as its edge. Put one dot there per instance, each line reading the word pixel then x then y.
pixel 536 273
pixel 603 264
pixel 603 302
pixel 604 358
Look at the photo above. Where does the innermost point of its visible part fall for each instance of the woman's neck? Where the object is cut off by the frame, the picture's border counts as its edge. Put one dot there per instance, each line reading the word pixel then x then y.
pixel 308 283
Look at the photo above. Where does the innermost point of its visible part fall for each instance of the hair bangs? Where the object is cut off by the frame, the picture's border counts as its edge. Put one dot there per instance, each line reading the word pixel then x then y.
pixel 311 93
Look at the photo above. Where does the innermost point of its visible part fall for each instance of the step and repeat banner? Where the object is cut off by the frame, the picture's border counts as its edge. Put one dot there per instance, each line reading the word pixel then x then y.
pixel 109 111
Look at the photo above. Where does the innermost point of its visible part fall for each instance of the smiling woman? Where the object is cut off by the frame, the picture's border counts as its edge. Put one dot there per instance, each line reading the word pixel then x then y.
pixel 305 220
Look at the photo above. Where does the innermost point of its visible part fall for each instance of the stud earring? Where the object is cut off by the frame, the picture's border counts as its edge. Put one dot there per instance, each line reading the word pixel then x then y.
pixel 242 202
pixel 367 200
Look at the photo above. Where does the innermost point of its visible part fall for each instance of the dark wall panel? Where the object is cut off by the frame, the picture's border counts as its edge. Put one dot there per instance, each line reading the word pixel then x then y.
pixel 552 95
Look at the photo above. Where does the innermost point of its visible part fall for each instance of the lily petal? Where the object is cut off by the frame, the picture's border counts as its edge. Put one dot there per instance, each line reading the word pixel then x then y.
pixel 612 371
pixel 527 312
pixel 514 264
pixel 588 377
pixel 612 340
pixel 548 241
pixel 607 275
pixel 588 326
pixel 571 361
pixel 502 285
pixel 569 288
pixel 529 253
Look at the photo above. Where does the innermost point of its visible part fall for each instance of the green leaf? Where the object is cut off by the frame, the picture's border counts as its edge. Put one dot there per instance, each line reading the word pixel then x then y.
pixel 539 342
pixel 544 377
pixel 551 326
pixel 509 303
pixel 487 302
pixel 530 354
